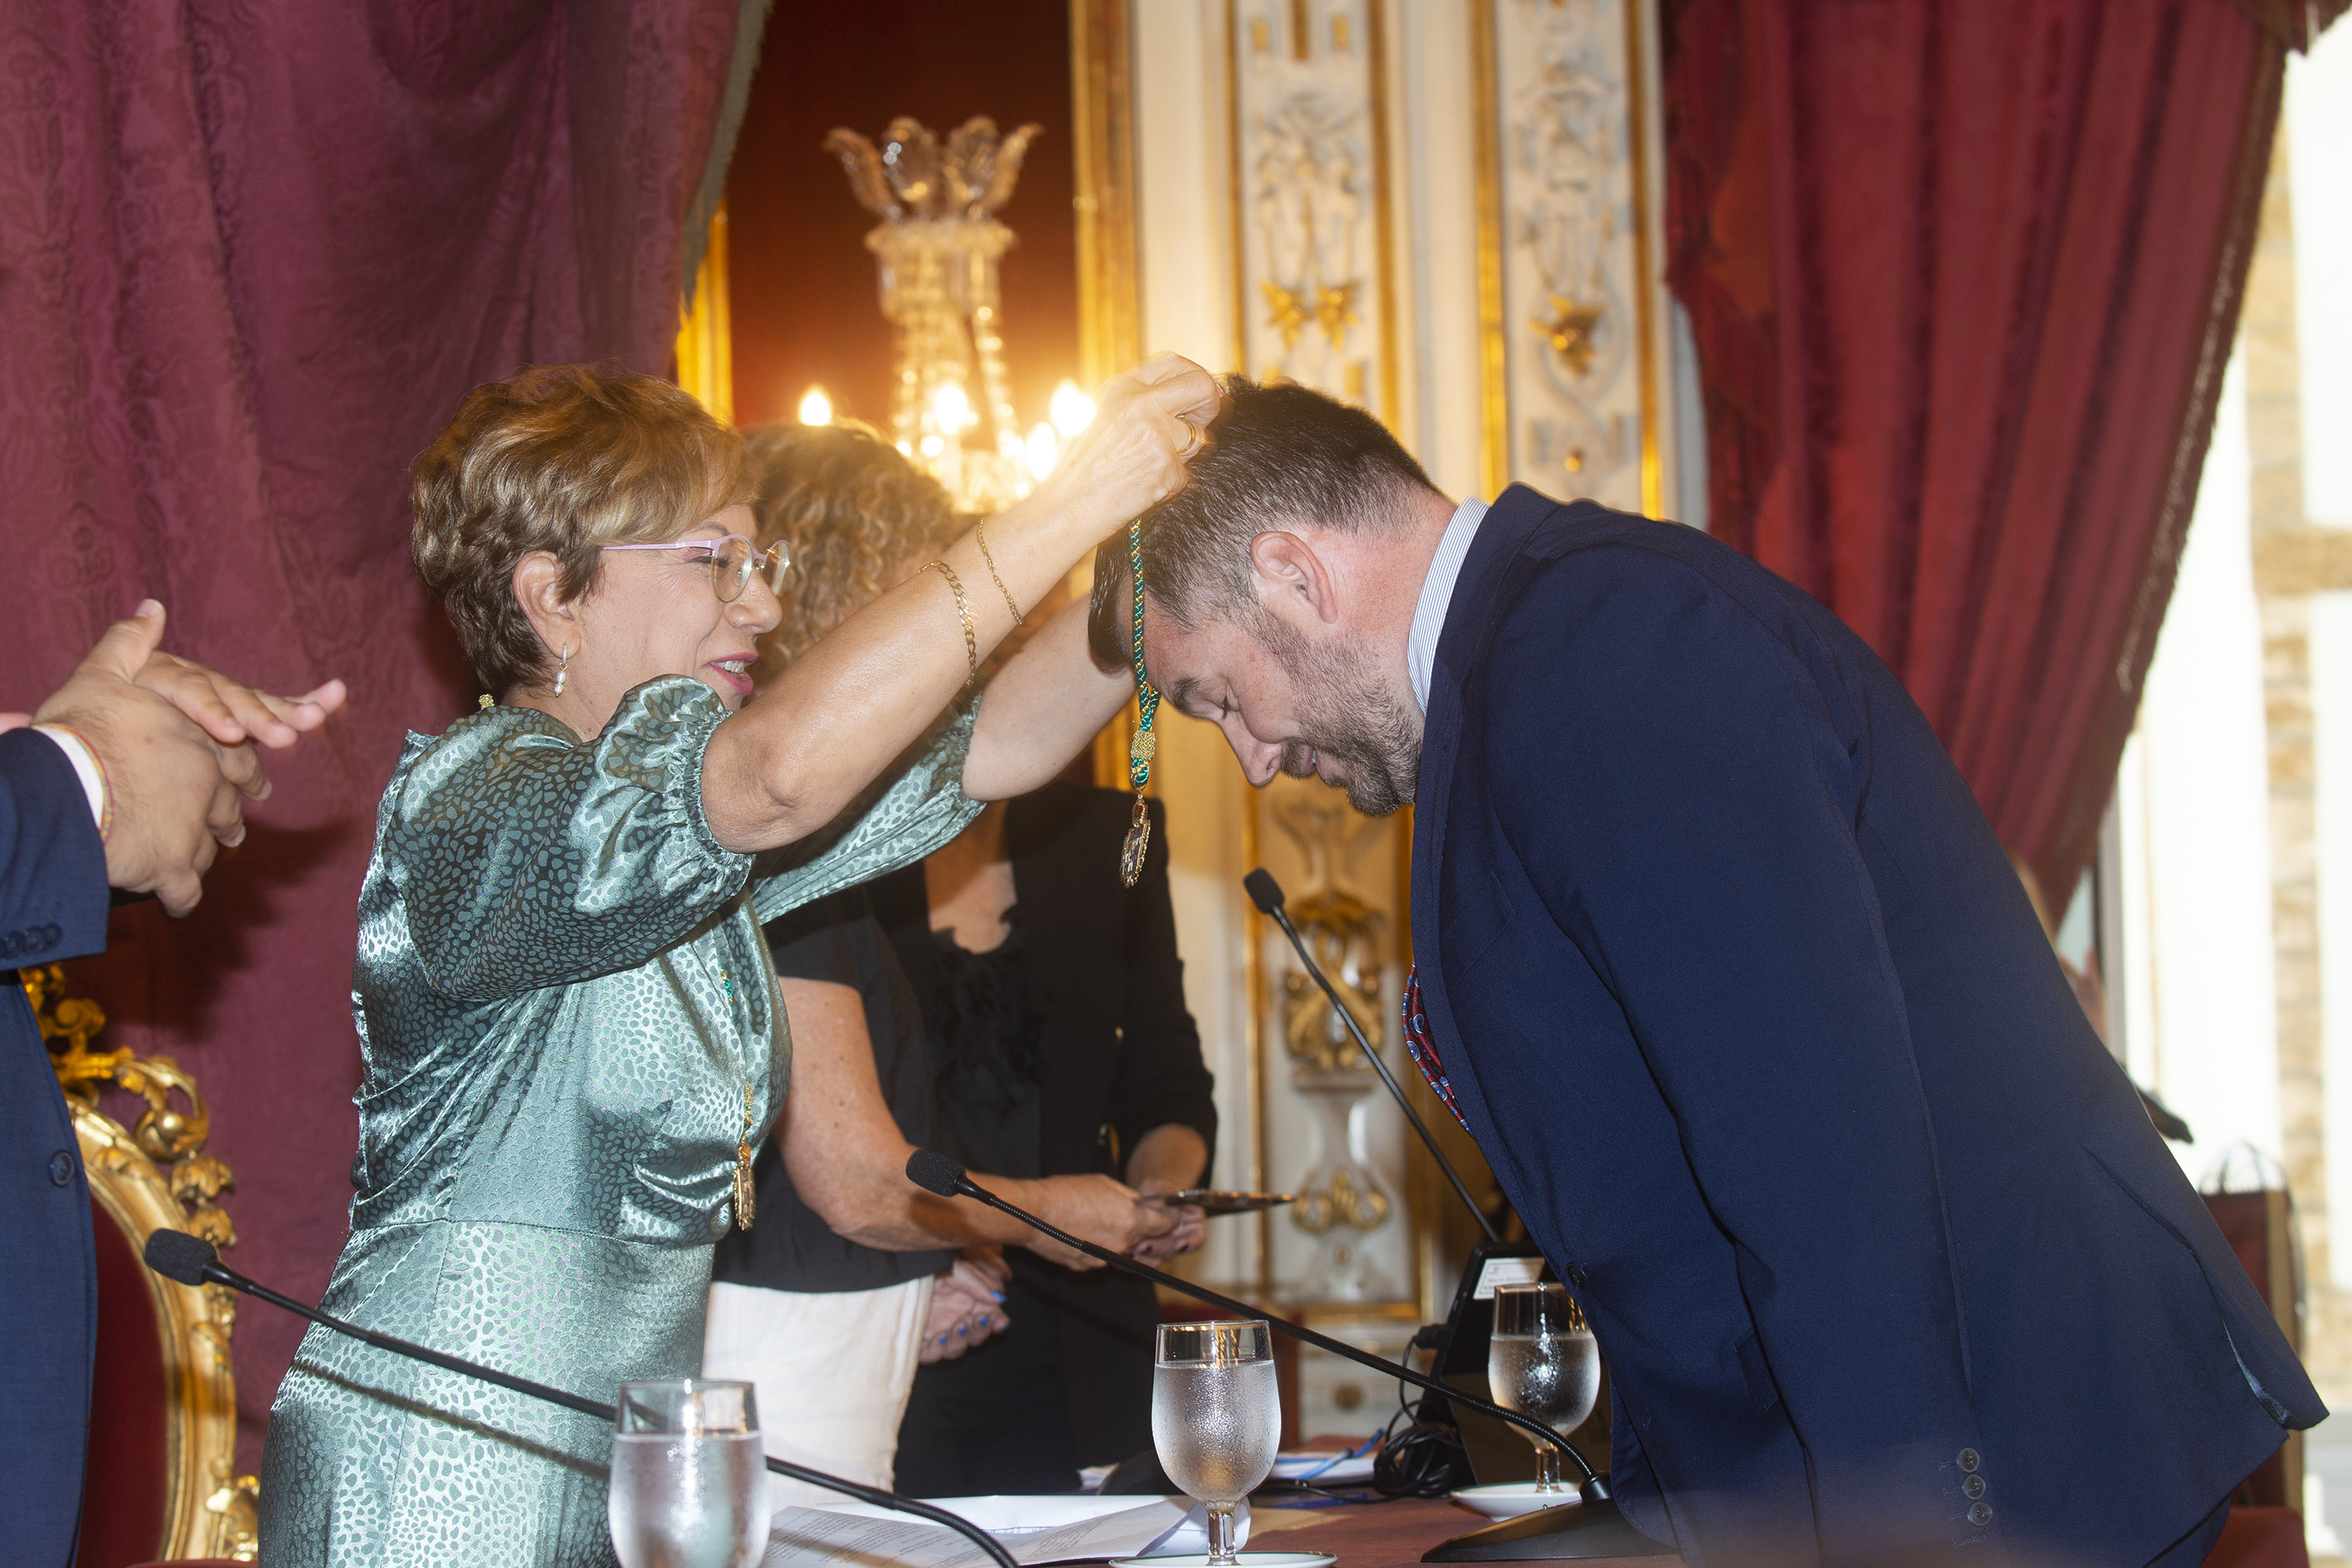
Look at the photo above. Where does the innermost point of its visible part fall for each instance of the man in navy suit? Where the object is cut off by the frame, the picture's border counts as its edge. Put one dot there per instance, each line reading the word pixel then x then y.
pixel 132 776
pixel 1724 968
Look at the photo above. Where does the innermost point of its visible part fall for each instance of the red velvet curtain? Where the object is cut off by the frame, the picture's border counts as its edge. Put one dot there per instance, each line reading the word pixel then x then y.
pixel 252 252
pixel 1963 277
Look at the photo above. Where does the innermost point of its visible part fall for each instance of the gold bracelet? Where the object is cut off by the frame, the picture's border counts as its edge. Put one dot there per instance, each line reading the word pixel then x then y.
pixel 963 614
pixel 982 535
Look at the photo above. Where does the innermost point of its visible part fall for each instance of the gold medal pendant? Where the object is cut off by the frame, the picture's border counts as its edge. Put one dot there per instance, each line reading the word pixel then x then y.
pixel 1139 838
pixel 743 1188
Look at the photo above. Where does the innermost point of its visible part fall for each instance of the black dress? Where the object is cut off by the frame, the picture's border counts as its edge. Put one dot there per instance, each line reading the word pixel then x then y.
pixel 790 1246
pixel 1051 1054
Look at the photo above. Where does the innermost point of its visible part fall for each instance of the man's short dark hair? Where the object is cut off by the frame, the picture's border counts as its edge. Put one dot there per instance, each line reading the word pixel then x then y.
pixel 1282 455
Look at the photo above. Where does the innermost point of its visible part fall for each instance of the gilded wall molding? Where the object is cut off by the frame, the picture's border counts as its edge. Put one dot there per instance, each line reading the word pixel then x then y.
pixel 1102 92
pixel 1569 348
pixel 706 332
pixel 1315 282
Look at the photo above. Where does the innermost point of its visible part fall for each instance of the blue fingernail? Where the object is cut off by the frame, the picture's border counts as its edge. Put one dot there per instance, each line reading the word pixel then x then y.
pixel 961 1329
pixel 1000 1295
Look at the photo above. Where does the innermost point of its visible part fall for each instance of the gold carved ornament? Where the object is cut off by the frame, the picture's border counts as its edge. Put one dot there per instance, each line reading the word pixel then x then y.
pixel 155 1175
pixel 1344 932
pixel 1570 333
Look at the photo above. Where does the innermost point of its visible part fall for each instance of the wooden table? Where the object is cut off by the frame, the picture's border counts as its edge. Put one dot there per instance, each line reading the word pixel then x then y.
pixel 1384 1534
pixel 1395 1534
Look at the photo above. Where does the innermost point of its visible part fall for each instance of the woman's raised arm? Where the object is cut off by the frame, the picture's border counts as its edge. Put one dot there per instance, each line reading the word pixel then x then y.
pixel 844 711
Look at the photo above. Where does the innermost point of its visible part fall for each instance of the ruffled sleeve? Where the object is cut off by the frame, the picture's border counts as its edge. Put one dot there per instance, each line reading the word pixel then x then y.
pixel 526 859
pixel 921 808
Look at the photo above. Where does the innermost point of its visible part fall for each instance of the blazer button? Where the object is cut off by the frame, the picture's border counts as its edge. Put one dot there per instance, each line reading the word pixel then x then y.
pixel 1578 1274
pixel 1973 1488
pixel 61 1168
pixel 1980 1514
pixel 1968 1461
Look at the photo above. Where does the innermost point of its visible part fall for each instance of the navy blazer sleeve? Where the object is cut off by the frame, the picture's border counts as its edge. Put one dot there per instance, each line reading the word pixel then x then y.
pixel 1679 785
pixel 53 903
pixel 53 894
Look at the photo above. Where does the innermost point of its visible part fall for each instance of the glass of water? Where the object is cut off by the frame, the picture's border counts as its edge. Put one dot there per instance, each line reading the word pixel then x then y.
pixel 1216 1417
pixel 689 1477
pixel 1542 1362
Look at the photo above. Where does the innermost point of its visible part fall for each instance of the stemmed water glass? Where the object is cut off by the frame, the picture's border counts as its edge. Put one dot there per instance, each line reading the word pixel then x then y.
pixel 1543 1363
pixel 1216 1417
pixel 689 1477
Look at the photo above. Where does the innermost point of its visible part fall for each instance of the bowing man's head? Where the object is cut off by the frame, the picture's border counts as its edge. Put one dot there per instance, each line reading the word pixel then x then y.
pixel 1280 588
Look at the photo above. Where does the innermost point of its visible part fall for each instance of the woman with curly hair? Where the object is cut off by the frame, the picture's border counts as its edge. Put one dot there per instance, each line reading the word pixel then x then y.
pixel 568 1019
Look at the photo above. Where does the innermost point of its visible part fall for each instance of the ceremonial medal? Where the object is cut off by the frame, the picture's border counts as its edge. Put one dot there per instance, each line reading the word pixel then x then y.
pixel 1143 744
pixel 743 1188
pixel 1139 838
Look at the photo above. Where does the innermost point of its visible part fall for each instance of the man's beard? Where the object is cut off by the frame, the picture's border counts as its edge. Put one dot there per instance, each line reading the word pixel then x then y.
pixel 1349 715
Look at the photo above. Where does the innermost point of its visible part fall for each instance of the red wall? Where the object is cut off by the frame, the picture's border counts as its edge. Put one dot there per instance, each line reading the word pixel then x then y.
pixel 803 292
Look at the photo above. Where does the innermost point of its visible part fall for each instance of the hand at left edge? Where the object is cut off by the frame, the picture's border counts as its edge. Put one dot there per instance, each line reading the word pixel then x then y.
pixel 227 709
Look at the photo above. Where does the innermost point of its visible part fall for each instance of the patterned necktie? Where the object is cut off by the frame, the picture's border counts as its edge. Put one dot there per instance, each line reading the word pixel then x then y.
pixel 1422 1049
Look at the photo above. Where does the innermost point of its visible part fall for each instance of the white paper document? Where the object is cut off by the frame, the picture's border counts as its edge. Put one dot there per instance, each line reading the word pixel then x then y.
pixel 1325 1470
pixel 1035 1530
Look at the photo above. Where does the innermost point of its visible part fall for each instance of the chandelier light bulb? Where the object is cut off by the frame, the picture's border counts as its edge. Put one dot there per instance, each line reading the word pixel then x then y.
pixel 932 446
pixel 1042 451
pixel 816 408
pixel 951 409
pixel 1072 410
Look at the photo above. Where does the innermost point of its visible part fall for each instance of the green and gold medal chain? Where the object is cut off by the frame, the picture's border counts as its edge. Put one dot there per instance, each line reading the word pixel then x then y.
pixel 1141 748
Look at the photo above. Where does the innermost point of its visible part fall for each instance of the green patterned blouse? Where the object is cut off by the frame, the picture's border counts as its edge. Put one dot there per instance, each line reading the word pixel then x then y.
pixel 568 1021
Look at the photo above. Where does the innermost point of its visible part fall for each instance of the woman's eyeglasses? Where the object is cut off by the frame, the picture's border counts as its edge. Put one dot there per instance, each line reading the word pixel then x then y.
pixel 732 562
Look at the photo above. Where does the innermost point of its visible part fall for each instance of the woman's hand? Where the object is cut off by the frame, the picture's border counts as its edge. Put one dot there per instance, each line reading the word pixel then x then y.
pixel 967 1306
pixel 1149 421
pixel 1097 1209
pixel 1192 1229
pixel 1169 1159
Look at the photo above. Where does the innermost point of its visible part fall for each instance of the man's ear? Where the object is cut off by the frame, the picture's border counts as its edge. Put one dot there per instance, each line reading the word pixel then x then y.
pixel 1291 579
pixel 538 584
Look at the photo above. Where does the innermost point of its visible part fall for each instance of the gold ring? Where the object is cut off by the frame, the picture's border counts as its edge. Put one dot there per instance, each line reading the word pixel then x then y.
pixel 1194 431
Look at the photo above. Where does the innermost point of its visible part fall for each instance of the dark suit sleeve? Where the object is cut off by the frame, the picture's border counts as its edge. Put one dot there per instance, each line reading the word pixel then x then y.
pixel 1161 1077
pixel 53 903
pixel 1680 789
pixel 53 894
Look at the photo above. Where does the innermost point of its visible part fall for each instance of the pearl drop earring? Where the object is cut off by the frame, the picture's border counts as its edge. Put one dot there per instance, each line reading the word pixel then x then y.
pixel 563 668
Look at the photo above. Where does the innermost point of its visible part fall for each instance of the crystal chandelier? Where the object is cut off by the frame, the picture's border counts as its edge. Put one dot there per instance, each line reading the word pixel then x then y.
pixel 938 245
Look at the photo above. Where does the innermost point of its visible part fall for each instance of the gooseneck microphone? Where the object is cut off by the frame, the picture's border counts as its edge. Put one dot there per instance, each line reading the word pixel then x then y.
pixel 1266 894
pixel 192 1261
pixel 935 1172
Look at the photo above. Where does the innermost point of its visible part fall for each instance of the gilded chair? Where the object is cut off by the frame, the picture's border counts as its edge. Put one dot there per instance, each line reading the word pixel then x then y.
pixel 162 1439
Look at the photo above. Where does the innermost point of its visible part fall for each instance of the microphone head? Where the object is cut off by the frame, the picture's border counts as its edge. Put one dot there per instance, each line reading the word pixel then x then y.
pixel 177 1255
pixel 934 1171
pixel 1263 890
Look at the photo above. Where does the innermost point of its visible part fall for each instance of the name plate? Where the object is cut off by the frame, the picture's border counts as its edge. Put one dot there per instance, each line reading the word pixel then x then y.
pixel 1506 1271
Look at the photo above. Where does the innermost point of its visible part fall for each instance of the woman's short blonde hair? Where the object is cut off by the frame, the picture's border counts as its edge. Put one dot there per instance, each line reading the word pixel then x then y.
pixel 566 459
pixel 851 510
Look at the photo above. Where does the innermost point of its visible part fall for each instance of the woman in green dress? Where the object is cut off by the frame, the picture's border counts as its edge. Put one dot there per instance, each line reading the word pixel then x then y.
pixel 568 1019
